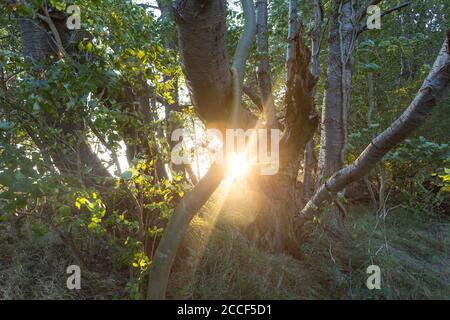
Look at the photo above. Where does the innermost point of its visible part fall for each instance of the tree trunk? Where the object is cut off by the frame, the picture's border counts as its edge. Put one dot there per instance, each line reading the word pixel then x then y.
pixel 433 90
pixel 292 33
pixel 341 41
pixel 316 36
pixel 36 42
pixel 204 59
pixel 369 91
pixel 175 230
pixel 263 69
pixel 308 166
pixel 273 227
pixel 38 46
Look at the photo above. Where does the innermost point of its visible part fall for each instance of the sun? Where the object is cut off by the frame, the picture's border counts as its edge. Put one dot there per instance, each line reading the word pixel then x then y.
pixel 237 166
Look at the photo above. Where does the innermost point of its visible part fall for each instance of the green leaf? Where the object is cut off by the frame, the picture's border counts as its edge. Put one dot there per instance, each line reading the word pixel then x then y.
pixel 80 201
pixel 39 229
pixel 58 4
pixel 127 175
pixel 372 66
pixel 89 47
pixel 140 54
pixel 64 211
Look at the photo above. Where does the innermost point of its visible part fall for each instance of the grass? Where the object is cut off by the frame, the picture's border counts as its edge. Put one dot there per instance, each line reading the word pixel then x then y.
pixel 412 250
pixel 217 261
pixel 35 268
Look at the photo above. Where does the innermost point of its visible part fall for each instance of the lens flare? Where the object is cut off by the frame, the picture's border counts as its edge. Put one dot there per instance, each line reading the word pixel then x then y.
pixel 237 166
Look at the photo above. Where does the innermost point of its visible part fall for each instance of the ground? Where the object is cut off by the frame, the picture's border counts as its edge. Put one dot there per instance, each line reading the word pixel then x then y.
pixel 217 261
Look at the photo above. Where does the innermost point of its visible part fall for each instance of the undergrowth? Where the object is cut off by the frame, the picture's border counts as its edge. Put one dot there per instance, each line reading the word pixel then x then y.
pixel 34 267
pixel 217 261
pixel 412 249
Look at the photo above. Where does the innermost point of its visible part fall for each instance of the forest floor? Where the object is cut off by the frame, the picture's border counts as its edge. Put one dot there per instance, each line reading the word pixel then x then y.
pixel 217 261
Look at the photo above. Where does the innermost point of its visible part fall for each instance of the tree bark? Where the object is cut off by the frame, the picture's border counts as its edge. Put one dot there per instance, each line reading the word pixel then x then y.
pixel 292 33
pixel 341 41
pixel 316 36
pixel 36 42
pixel 273 227
pixel 263 69
pixel 369 91
pixel 308 171
pixel 433 90
pixel 204 58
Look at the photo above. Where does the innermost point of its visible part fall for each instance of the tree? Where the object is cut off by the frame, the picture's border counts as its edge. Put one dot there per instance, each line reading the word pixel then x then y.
pixel 316 36
pixel 263 69
pixel 345 25
pixel 433 90
pixel 78 86
pixel 341 41
pixel 216 95
pixel 72 100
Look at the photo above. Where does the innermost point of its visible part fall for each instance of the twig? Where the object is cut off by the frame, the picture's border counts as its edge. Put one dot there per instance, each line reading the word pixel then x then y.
pixel 57 38
pixel 384 13
pixel 105 144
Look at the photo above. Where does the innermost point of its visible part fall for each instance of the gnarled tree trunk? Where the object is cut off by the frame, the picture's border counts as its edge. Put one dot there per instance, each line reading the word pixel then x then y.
pixel 76 154
pixel 273 227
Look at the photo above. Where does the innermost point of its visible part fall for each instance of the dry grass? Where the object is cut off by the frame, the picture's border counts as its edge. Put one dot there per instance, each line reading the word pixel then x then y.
pixel 413 252
pixel 35 268
pixel 218 262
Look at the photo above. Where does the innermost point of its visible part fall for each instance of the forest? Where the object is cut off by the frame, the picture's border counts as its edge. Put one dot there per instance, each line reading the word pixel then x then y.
pixel 212 149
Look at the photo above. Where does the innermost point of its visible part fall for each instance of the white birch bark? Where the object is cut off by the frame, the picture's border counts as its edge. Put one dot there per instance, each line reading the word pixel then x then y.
pixel 341 42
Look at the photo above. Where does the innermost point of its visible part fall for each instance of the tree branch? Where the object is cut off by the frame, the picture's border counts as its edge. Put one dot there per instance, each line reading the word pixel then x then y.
pixel 147 6
pixel 254 96
pixel 105 144
pixel 240 57
pixel 384 13
pixel 363 11
pixel 57 39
